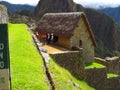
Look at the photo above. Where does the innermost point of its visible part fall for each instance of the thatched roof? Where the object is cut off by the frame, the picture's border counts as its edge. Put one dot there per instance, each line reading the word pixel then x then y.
pixel 62 24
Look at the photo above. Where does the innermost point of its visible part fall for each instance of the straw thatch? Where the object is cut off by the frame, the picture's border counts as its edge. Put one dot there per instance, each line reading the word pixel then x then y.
pixel 62 24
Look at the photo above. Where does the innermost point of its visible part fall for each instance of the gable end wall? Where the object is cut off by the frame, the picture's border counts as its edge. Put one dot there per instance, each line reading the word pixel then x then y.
pixel 81 33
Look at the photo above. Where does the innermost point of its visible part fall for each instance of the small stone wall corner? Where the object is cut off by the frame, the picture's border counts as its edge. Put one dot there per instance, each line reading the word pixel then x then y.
pixel 72 61
pixel 96 77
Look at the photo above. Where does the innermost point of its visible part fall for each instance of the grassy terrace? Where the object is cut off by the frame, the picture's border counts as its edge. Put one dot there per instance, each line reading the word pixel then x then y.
pixel 111 75
pixel 94 65
pixel 64 80
pixel 26 63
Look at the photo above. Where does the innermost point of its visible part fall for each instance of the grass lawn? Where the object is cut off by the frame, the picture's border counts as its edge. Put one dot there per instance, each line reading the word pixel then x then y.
pixel 26 64
pixel 94 65
pixel 64 80
pixel 110 75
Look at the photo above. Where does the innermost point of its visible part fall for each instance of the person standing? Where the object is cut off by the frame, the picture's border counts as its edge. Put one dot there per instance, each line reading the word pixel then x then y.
pixel 52 37
pixel 37 35
pixel 44 37
pixel 48 38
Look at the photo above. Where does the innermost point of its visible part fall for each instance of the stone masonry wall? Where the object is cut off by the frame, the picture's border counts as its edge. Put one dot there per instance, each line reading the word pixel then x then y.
pixel 113 83
pixel 72 61
pixel 96 77
pixel 81 33
pixel 112 64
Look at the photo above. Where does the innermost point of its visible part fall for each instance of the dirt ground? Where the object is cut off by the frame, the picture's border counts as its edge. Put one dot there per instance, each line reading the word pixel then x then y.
pixel 54 48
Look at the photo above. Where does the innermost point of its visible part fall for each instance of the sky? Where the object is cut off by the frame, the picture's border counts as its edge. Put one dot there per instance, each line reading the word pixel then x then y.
pixel 85 3
pixel 99 3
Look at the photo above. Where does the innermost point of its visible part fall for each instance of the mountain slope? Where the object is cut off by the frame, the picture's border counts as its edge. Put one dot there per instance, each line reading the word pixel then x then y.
pixel 46 6
pixel 113 12
pixel 107 32
pixel 17 7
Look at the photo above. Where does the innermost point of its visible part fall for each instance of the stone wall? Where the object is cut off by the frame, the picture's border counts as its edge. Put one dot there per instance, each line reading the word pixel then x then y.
pixel 112 64
pixel 113 83
pixel 3 14
pixel 72 61
pixel 101 61
pixel 45 58
pixel 81 33
pixel 96 77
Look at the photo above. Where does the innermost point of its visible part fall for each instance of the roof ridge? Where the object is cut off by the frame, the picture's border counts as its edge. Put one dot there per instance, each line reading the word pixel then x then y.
pixel 65 13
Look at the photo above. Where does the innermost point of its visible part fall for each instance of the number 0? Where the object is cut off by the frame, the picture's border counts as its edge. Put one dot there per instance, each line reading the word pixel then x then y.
pixel 1 64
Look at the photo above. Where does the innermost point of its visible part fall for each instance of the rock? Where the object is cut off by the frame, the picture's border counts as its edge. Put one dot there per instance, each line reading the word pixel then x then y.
pixel 43 50
pixel 46 57
pixel 54 6
pixel 111 58
pixel 3 14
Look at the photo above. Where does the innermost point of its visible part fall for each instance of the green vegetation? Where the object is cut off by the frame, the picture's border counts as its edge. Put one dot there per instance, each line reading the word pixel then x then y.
pixel 64 80
pixel 101 50
pixel 110 75
pixel 19 19
pixel 26 64
pixel 117 53
pixel 94 65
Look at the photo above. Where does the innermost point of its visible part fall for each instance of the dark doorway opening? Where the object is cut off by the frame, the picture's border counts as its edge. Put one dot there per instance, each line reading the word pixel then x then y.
pixel 80 43
pixel 55 39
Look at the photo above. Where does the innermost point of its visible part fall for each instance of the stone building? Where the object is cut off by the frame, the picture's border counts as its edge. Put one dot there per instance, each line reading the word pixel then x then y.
pixel 3 14
pixel 71 29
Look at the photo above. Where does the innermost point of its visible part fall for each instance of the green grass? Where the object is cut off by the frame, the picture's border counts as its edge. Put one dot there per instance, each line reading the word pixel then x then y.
pixel 110 75
pixel 64 80
pixel 26 63
pixel 94 65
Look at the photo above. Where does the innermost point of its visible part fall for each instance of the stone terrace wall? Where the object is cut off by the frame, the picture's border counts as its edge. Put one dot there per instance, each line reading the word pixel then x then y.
pixel 112 64
pixel 96 77
pixel 113 83
pixel 71 60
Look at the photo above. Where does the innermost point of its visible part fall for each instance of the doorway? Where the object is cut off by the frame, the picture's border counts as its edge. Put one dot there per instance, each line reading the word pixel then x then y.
pixel 80 43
